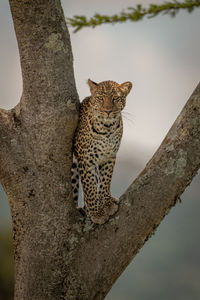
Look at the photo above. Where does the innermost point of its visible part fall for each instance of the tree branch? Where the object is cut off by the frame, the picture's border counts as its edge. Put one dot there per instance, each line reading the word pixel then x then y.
pixel 45 55
pixel 133 14
pixel 48 110
pixel 106 250
pixel 36 172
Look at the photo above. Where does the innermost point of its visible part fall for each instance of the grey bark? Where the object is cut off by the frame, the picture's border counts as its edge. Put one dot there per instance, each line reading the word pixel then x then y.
pixel 59 254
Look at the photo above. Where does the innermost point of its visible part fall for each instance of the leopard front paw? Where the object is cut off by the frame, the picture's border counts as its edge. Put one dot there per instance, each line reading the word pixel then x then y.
pixel 116 200
pixel 99 219
pixel 112 209
pixel 99 215
pixel 111 205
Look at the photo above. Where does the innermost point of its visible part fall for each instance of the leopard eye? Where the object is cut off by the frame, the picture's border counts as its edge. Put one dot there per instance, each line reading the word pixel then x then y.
pixel 115 99
pixel 100 98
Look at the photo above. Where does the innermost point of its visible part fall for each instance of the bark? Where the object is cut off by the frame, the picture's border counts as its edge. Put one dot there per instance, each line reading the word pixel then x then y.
pixel 59 254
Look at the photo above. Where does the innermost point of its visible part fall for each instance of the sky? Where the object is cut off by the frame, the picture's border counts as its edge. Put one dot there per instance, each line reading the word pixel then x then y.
pixel 160 56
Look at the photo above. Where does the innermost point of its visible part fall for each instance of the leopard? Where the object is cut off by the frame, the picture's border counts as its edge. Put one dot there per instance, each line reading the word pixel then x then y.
pixel 95 146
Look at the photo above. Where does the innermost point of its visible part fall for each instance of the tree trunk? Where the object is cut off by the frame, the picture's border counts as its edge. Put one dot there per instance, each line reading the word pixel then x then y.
pixel 58 253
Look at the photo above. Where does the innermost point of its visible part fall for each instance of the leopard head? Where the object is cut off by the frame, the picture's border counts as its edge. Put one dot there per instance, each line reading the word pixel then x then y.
pixel 108 98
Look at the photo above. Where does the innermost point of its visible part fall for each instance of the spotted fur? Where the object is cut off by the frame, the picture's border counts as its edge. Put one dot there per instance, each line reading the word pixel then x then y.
pixel 97 140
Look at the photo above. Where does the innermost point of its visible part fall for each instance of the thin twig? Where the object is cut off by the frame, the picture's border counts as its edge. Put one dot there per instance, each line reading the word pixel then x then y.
pixel 132 14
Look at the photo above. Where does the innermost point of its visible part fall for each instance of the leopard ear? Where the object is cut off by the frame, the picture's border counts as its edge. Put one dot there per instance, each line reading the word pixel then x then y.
pixel 126 87
pixel 93 85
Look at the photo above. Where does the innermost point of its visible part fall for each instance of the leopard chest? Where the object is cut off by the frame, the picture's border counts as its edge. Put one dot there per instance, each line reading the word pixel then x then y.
pixel 104 141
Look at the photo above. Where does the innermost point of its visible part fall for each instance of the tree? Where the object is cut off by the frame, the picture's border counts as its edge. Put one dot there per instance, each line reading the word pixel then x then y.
pixel 59 254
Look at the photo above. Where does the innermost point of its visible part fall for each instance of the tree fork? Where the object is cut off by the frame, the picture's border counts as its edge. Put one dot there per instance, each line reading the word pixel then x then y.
pixel 59 254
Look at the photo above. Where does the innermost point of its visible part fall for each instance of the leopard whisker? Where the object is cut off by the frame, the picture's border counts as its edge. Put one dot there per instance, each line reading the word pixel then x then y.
pixel 127 113
pixel 128 117
pixel 129 121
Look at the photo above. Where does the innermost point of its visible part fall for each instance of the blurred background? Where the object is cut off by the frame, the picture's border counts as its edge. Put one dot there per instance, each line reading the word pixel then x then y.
pixel 161 56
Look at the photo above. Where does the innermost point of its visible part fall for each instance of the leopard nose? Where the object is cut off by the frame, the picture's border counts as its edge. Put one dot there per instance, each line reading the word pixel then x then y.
pixel 108 112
